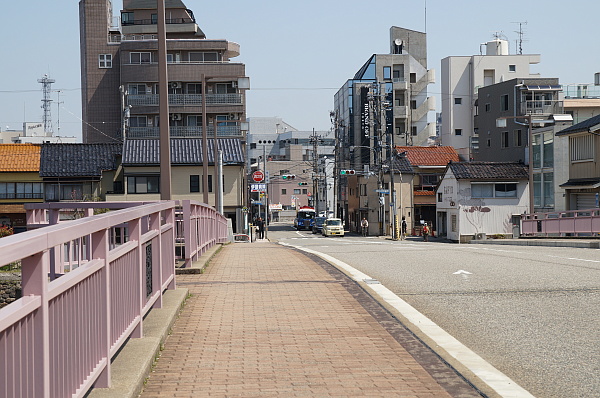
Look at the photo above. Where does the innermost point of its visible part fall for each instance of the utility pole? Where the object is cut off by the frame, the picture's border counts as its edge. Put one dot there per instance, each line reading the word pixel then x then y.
pixel 163 79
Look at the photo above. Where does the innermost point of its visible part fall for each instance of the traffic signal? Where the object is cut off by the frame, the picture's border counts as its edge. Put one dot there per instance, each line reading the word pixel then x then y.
pixel 302 184
pixel 347 172
pixel 288 176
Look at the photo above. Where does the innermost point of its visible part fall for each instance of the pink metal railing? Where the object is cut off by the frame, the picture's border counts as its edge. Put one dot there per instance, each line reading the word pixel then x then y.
pixel 87 285
pixel 565 223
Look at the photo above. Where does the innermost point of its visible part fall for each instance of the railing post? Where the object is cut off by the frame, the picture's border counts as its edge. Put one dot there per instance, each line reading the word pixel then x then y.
pixel 99 247
pixel 34 271
pixel 170 219
pixel 187 232
pixel 135 234
pixel 156 259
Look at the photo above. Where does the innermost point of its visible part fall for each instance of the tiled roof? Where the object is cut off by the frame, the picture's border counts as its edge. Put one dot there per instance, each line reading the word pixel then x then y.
pixel 78 160
pixel 429 155
pixel 19 157
pixel 424 193
pixel 402 165
pixel 184 151
pixel 489 170
pixel 582 126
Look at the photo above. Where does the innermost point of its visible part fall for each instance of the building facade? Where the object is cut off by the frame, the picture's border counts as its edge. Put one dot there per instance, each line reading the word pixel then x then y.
pixel 384 104
pixel 119 63
pixel 462 77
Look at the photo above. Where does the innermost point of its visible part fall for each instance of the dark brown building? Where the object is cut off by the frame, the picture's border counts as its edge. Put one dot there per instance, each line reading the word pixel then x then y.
pixel 119 73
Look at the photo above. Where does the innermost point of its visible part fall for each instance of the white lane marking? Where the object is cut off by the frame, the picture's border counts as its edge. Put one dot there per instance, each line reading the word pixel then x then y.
pixel 494 378
pixel 518 252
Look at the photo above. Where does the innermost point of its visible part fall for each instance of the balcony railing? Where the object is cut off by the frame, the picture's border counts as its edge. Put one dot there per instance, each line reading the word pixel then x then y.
pixel 184 132
pixel 541 107
pixel 185 99
pixel 171 21
pixel 581 91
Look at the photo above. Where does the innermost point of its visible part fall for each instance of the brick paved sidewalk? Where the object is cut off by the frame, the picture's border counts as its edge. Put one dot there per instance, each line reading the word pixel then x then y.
pixel 269 321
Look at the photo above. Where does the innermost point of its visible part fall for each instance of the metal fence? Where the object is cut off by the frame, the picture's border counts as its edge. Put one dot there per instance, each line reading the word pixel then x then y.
pixel 577 223
pixel 87 285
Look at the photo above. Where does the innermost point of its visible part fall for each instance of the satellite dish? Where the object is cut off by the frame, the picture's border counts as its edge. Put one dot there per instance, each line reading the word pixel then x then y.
pixel 398 42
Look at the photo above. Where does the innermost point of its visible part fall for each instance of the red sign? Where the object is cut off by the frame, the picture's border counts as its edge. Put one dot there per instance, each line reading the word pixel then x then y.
pixel 258 176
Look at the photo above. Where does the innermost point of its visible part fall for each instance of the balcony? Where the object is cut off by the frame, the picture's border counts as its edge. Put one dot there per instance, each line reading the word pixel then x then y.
pixel 184 132
pixel 542 107
pixel 185 99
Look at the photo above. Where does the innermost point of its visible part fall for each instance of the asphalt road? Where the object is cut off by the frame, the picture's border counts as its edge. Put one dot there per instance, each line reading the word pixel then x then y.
pixel 532 312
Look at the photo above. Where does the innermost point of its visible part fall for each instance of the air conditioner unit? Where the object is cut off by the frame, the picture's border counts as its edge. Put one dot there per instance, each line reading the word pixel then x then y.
pixel 480 236
pixel 176 116
pixel 234 84
pixel 175 84
pixel 232 116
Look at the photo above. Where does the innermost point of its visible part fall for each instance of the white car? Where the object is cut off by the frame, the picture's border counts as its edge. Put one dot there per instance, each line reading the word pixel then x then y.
pixel 333 227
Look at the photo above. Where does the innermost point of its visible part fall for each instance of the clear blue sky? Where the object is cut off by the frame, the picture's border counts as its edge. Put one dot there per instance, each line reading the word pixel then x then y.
pixel 297 54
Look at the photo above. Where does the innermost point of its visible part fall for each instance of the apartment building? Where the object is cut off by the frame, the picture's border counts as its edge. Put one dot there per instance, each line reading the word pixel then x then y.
pixel 384 104
pixel 510 115
pixel 119 64
pixel 463 76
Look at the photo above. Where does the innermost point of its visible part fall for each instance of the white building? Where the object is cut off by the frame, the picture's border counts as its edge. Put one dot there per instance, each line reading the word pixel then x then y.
pixel 462 76
pixel 477 199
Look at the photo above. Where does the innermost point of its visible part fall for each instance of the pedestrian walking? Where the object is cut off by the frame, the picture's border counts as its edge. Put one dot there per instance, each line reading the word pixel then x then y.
pixel 426 232
pixel 261 228
pixel 364 225
pixel 403 228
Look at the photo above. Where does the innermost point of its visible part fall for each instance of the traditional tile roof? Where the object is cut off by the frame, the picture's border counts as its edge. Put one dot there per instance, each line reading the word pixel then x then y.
pixel 184 151
pixel 424 193
pixel 591 124
pixel 489 170
pixel 429 155
pixel 78 160
pixel 19 157
pixel 402 165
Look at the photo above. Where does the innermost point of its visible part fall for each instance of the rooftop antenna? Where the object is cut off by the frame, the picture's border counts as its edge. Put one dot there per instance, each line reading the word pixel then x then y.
pixel 46 102
pixel 520 40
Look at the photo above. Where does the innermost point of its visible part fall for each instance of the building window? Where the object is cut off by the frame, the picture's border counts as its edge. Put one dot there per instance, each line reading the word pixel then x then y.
pixel 413 104
pixel 138 121
pixel 210 183
pixel 194 183
pixel 453 223
pixel 297 191
pixel 400 127
pixel 363 189
pixel 154 19
pixel 105 61
pixel 489 142
pixel 518 138
pixel 140 58
pixel 399 98
pixel 283 191
pixel 505 190
pixel 504 141
pixel 194 88
pixel 457 100
pixel 500 190
pixel 136 89
pixel 413 77
pixel 204 57
pixel 142 184
pixel 21 190
pixel 504 102
pixel 127 18
pixel 440 197
pixel 457 131
pixel 387 72
pixel 56 192
pixel 304 191
pixel 512 68
pixel 488 107
pixel 413 130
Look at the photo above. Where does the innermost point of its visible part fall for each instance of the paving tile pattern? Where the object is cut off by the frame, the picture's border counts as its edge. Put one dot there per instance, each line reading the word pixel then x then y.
pixel 269 321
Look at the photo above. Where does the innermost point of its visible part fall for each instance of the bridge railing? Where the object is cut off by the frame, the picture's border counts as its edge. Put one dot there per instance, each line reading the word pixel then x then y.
pixel 86 286
pixel 579 223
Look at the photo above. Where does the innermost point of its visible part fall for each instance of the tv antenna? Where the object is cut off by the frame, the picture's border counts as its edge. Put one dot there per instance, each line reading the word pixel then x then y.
pixel 520 40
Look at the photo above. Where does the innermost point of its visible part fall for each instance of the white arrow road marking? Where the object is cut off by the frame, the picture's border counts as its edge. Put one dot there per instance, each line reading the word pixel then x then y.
pixel 462 272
